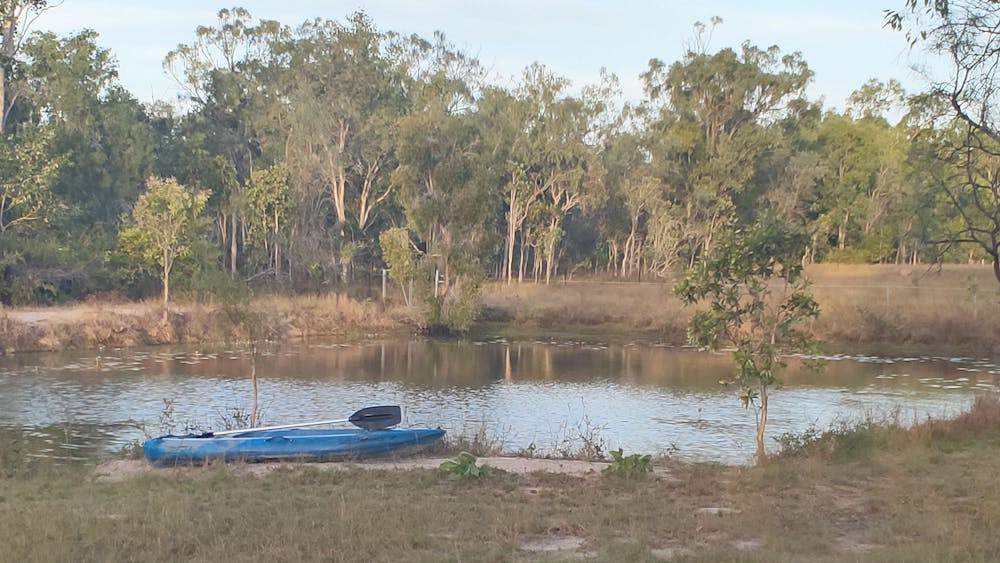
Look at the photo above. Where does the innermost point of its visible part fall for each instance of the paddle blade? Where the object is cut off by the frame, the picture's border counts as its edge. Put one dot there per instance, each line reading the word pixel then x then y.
pixel 376 418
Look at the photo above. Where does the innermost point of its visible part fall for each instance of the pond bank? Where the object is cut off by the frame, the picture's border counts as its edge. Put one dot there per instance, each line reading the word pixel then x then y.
pixel 870 309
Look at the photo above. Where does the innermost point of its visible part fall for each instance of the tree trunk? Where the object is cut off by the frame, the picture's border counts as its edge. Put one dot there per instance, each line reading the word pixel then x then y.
pixel 253 382
pixel 232 246
pixel 3 95
pixel 167 264
pixel 7 30
pixel 277 249
pixel 511 231
pixel 166 279
pixel 761 425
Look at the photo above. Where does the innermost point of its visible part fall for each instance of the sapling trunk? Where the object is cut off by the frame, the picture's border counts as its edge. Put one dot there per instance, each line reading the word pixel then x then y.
pixel 762 424
pixel 253 383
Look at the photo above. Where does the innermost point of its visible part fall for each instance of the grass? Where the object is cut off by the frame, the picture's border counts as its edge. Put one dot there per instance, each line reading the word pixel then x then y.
pixel 900 493
pixel 955 308
pixel 110 325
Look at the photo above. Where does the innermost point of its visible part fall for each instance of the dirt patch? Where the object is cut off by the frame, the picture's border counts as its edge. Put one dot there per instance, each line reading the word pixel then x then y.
pixel 668 553
pixel 79 313
pixel 550 544
pixel 120 470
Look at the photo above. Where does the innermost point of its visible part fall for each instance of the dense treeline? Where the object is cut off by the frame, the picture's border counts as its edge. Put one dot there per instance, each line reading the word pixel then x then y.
pixel 309 158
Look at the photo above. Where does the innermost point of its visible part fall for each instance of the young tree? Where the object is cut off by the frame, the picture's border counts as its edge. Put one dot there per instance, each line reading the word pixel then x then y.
pixel 268 206
pixel 165 220
pixel 757 298
pixel 398 255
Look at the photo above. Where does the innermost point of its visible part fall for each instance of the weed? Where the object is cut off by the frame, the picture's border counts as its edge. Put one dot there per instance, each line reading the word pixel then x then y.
pixel 131 450
pixel 842 441
pixel 168 423
pixel 235 418
pixel 480 441
pixel 528 451
pixel 585 442
pixel 632 466
pixel 463 466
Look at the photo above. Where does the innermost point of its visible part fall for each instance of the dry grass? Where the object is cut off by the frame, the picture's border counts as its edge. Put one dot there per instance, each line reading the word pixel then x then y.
pixel 586 307
pixel 954 308
pixel 911 494
pixel 132 324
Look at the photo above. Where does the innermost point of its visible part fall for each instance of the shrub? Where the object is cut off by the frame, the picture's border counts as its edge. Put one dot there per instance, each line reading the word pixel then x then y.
pixel 463 466
pixel 632 466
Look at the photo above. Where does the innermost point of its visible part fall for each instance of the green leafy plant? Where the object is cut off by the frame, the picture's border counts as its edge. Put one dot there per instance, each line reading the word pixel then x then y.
pixel 632 466
pixel 757 299
pixel 463 466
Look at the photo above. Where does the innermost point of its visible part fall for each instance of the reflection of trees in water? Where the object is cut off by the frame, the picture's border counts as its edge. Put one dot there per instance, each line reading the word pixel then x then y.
pixel 445 363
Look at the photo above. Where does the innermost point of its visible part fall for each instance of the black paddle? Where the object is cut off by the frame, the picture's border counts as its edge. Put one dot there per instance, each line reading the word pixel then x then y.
pixel 369 418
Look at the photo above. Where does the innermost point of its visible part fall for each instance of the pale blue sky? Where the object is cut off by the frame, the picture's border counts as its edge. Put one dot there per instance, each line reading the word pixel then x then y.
pixel 843 42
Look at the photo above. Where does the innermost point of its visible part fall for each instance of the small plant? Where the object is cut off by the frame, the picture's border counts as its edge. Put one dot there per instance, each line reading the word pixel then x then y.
pixel 236 418
pixel 131 450
pixel 632 466
pixel 584 442
pixel 463 466
pixel 169 424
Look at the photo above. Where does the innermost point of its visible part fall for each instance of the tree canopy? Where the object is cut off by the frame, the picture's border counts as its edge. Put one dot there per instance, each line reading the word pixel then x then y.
pixel 331 149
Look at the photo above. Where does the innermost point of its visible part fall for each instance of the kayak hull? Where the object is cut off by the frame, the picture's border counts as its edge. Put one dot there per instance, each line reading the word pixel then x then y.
pixel 298 444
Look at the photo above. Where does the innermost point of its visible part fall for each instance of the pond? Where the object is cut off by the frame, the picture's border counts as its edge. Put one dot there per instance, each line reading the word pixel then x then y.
pixel 546 397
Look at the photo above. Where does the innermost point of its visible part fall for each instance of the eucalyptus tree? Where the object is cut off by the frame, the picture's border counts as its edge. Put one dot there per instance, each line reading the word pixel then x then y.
pixel 848 147
pixel 337 91
pixel 16 17
pixel 448 186
pixel 553 161
pixel 713 111
pixel 446 203
pixel 269 209
pixel 345 96
pixel 219 73
pixel 642 230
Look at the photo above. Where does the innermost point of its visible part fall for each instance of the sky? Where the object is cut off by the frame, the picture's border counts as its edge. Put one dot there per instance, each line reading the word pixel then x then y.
pixel 843 42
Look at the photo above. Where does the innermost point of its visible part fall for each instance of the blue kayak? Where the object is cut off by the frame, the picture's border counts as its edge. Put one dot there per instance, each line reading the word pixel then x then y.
pixel 296 444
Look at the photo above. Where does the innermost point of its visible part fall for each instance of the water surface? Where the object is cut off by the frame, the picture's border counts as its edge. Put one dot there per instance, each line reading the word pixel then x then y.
pixel 549 397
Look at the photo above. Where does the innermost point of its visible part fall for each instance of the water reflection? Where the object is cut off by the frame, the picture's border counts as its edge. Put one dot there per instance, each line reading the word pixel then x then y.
pixel 641 397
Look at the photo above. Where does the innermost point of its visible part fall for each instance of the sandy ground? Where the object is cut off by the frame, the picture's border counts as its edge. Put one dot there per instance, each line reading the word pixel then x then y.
pixel 122 469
